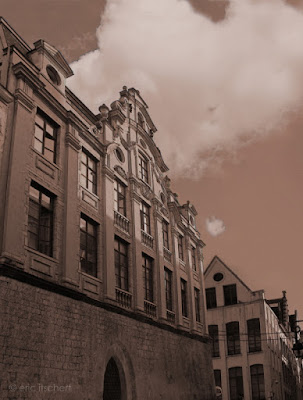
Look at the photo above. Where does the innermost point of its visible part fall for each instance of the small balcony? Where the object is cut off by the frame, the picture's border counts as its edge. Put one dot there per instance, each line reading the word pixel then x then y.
pixel 147 239
pixel 150 308
pixel 170 316
pixel 121 221
pixel 123 298
pixel 167 254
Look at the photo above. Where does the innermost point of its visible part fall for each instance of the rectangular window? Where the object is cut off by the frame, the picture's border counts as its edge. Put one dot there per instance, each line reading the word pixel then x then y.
pixel 40 219
pixel 214 334
pixel 184 297
pixel 168 289
pixel 257 382
pixel 233 338
pixel 180 247
pixel 88 245
pixel 148 279
pixel 211 299
pixel 197 304
pixel 236 383
pixel 45 136
pixel 193 258
pixel 254 335
pixel 145 217
pixel 121 264
pixel 120 197
pixel 143 168
pixel 88 177
pixel 217 373
pixel 165 234
pixel 230 295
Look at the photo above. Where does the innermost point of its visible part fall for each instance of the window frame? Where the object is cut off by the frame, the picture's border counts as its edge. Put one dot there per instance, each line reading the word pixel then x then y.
pixel 143 168
pixel 165 234
pixel 197 304
pixel 233 338
pixel 181 247
pixel 237 380
pixel 257 379
pixel 148 277
pixel 145 217
pixel 88 170
pixel 230 294
pixel 193 259
pixel 84 262
pixel 120 195
pixel 211 298
pixel 184 305
pixel 213 331
pixel 121 263
pixel 37 205
pixel 254 335
pixel 47 121
pixel 168 282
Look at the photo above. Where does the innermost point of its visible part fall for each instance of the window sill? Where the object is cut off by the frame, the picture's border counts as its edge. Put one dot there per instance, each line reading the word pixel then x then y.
pixel 42 255
pixel 50 163
pixel 234 355
pixel 89 197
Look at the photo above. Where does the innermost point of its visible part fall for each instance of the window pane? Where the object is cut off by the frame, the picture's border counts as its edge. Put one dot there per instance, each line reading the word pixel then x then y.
pixel 49 129
pixel 49 144
pixel 39 133
pixel 49 155
pixel 38 145
pixel 39 120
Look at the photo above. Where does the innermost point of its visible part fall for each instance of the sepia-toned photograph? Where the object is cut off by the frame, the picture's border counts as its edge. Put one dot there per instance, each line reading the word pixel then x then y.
pixel 151 199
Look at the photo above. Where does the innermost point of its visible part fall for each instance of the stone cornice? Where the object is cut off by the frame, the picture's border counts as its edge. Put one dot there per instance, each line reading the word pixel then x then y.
pixel 72 141
pixel 24 99
pixel 22 72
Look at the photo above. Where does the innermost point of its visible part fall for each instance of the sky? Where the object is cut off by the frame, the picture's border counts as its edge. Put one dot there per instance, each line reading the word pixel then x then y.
pixel 224 85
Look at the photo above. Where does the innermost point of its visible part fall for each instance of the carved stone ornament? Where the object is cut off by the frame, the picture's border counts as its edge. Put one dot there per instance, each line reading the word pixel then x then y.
pixel 120 171
pixel 146 192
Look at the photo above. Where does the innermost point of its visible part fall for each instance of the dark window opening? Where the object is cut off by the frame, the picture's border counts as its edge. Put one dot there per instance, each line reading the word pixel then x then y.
pixel 184 297
pixel 211 299
pixel 233 338
pixel 88 245
pixel 45 136
pixel 40 219
pixel 148 279
pixel 121 264
pixel 230 295
pixel 214 334
pixel 254 335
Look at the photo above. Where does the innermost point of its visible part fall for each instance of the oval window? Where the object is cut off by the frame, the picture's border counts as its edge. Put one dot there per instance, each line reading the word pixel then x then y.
pixel 53 75
pixel 119 154
pixel 218 277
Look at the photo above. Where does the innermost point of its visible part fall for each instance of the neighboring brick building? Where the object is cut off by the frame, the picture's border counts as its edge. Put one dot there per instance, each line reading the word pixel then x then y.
pixel 101 275
pixel 252 340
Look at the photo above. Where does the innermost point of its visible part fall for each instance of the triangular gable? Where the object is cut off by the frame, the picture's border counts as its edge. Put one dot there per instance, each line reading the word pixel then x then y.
pixel 56 55
pixel 214 262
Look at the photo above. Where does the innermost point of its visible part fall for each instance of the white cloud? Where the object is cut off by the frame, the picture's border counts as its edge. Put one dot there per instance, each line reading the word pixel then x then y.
pixel 214 226
pixel 210 86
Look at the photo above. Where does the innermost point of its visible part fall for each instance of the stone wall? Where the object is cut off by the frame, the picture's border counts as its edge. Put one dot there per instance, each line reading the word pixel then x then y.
pixel 55 346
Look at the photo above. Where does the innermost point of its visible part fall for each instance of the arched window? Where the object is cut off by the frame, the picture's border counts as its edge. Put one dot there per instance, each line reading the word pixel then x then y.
pixel 257 382
pixel 112 383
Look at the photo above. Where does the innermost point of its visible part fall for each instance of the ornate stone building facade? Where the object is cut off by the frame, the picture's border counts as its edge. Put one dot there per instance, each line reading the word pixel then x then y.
pixel 101 275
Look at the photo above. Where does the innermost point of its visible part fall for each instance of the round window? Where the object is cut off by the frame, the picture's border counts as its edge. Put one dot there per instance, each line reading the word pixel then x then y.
pixel 218 277
pixel 119 154
pixel 53 75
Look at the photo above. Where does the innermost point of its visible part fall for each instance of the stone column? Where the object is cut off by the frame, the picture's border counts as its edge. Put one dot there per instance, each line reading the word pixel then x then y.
pixel 71 207
pixel 108 226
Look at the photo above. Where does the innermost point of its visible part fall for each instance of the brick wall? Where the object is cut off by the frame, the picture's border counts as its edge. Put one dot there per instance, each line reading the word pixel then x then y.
pixel 57 347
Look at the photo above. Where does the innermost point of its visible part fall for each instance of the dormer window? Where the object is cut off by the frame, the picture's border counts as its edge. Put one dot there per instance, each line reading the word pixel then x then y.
pixel 53 75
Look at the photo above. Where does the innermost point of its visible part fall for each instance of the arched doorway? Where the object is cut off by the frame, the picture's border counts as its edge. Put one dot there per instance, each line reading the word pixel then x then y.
pixel 112 382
